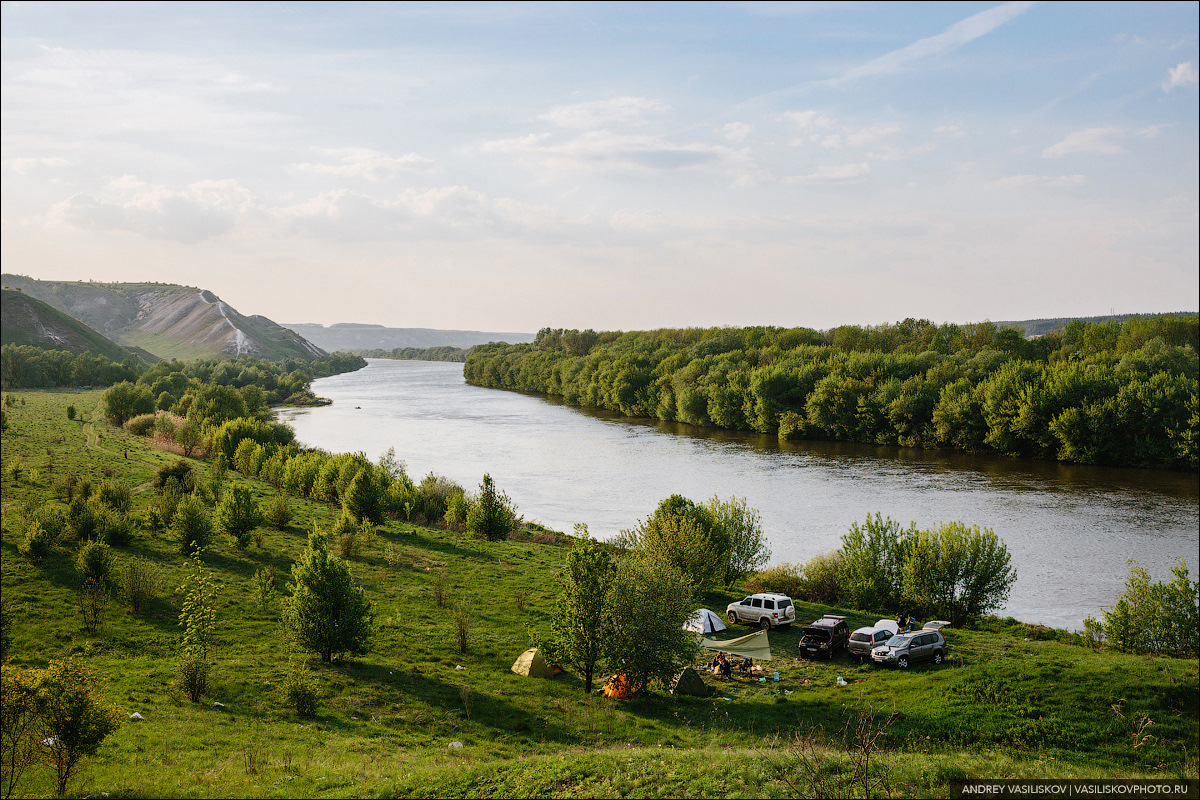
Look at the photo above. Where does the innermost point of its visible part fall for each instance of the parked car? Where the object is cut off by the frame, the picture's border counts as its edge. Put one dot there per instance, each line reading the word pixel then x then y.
pixel 764 610
pixel 824 637
pixel 905 648
pixel 864 640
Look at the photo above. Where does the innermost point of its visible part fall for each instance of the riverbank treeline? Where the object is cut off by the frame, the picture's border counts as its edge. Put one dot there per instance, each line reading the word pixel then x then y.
pixel 1118 393
pixel 443 352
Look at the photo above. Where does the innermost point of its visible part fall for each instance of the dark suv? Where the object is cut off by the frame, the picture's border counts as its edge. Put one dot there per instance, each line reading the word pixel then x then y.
pixel 824 637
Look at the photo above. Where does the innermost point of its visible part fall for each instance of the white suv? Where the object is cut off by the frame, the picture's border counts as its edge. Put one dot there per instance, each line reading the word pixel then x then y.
pixel 764 610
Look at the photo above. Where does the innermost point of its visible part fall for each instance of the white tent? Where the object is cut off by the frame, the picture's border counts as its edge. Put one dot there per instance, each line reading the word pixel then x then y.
pixel 703 621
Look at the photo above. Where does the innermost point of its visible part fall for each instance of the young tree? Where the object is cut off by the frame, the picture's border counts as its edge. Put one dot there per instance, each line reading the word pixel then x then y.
pixel 492 515
pixel 648 602
pixel 192 525
pixel 579 620
pixel 74 716
pixel 689 537
pixel 238 514
pixel 364 497
pixel 748 547
pixel 872 562
pixel 327 612
pixel 957 571
pixel 19 745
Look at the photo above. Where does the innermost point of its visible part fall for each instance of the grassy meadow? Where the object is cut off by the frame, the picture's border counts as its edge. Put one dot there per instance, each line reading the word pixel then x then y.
pixel 1009 702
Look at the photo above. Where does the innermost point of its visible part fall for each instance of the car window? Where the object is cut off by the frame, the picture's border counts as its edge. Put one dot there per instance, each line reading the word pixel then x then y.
pixel 769 604
pixel 860 637
pixel 746 601
pixel 897 641
pixel 784 603
pixel 881 635
pixel 757 602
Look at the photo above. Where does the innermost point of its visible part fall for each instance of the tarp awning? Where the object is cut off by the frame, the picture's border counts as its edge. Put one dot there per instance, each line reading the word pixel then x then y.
pixel 753 646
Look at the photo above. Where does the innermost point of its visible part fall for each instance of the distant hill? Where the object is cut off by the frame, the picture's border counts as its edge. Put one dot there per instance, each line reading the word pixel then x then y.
pixel 28 321
pixel 1040 327
pixel 167 320
pixel 355 336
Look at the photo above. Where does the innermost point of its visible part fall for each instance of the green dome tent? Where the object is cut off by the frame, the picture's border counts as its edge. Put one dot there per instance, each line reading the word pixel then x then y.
pixel 532 665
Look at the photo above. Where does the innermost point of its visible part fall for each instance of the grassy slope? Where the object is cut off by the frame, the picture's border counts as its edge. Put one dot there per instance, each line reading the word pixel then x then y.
pixel 25 318
pixel 1002 706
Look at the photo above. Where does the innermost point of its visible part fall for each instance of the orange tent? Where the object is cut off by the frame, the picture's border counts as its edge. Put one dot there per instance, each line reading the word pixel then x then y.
pixel 619 686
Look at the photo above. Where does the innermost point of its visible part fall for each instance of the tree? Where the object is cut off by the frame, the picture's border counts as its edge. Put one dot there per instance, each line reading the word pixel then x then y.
pixel 689 537
pixel 748 547
pixel 192 525
pixel 579 634
pixel 873 562
pixel 364 497
pixel 19 745
pixel 189 437
pixel 1158 618
pixel 74 717
pixel 124 400
pixel 647 604
pixel 327 612
pixel 238 514
pixel 492 515
pixel 956 571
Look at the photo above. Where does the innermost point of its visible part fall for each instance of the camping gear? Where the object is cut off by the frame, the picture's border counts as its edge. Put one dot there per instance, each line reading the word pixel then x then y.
pixel 532 665
pixel 753 646
pixel 703 621
pixel 619 686
pixel 690 683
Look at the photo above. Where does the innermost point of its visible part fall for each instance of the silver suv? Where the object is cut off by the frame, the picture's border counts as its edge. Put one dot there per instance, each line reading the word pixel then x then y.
pixel 905 648
pixel 764 610
pixel 864 640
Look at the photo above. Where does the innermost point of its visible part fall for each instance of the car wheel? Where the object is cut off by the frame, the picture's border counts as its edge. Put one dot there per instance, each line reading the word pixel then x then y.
pixel 902 662
pixel 733 620
pixel 937 657
pixel 765 623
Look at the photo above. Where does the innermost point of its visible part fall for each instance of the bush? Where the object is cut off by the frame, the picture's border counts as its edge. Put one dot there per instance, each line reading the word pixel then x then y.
pixel 192 525
pixel 140 584
pixel 141 425
pixel 279 513
pixel 238 514
pixel 36 545
pixel 114 494
pixel 192 674
pixel 327 613
pixel 93 602
pixel 74 717
pixel 181 471
pixel 433 496
pixel 300 692
pixel 1154 618
pixel 95 563
pixel 113 528
pixel 491 515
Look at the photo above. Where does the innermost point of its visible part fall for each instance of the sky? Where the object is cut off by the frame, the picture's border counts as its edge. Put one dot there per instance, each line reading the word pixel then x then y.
pixel 507 167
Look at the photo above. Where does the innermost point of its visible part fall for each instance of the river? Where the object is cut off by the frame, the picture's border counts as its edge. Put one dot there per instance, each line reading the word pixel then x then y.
pixel 1068 528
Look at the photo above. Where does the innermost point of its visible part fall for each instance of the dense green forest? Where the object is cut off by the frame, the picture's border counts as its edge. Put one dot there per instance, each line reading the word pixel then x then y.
pixel 1121 393
pixel 443 352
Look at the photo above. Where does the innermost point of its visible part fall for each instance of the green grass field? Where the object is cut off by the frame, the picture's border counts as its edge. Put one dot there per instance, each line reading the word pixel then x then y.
pixel 1004 705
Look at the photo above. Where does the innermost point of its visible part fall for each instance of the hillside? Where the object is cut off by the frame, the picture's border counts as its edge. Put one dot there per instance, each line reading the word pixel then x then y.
pixel 29 321
pixel 355 337
pixel 167 320
pixel 1040 327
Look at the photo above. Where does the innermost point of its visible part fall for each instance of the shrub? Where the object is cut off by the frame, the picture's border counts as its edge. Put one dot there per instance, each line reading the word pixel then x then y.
pixel 1155 618
pixel 300 692
pixel 192 525
pixel 114 494
pixel 782 579
pixel 95 563
pixel 264 581
pixel 433 496
pixel 181 471
pixel 140 584
pixel 53 520
pixel 458 508
pixel 164 427
pixel 192 674
pixel 238 514
pixel 327 613
pixel 71 412
pixel 492 515
pixel 93 602
pixel 74 716
pixel 20 745
pixel 279 513
pixel 36 545
pixel 141 425
pixel 115 529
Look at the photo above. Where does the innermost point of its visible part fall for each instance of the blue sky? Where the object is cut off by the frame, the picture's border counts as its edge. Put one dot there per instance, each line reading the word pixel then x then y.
pixel 510 166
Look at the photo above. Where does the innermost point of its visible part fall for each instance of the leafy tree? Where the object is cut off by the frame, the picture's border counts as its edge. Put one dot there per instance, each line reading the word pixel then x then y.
pixel 579 634
pixel 198 615
pixel 956 571
pixel 124 400
pixel 648 602
pixel 363 499
pixel 872 566
pixel 689 537
pixel 188 436
pixel 327 613
pixel 749 550
pixel 1155 618
pixel 74 717
pixel 492 515
pixel 238 514
pixel 279 513
pixel 19 741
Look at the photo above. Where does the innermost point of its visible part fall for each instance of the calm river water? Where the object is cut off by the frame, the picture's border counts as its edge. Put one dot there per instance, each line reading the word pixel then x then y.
pixel 1068 528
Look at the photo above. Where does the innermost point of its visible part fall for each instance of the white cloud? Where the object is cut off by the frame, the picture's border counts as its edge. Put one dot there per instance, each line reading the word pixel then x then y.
pixel 846 173
pixel 805 121
pixel 1183 75
pixel 203 210
pixel 957 35
pixel 608 150
pixel 736 132
pixel 870 135
pixel 1048 181
pixel 23 166
pixel 600 113
pixel 368 164
pixel 1101 141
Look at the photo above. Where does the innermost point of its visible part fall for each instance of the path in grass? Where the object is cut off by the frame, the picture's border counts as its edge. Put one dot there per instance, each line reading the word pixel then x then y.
pixel 93 441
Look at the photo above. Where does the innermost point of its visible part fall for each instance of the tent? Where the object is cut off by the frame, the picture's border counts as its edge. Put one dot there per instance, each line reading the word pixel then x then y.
pixel 532 665
pixel 620 686
pixel 753 646
pixel 703 621
pixel 689 682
